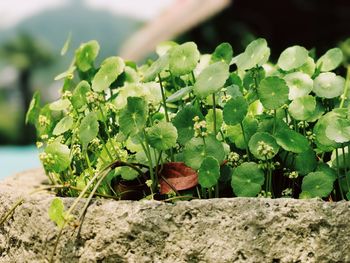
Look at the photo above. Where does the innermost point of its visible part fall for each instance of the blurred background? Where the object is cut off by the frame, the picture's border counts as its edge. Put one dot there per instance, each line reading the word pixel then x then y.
pixel 32 34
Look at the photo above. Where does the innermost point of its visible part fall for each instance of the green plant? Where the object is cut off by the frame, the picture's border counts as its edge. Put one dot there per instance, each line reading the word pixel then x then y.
pixel 197 126
pixel 265 129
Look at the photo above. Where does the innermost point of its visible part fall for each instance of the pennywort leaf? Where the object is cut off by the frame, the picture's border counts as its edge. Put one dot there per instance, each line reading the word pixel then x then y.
pixel 211 79
pixel 209 172
pixel 110 69
pixel 88 129
pixel 86 55
pixel 330 60
pixel 162 136
pixel 247 179
pixel 183 58
pixel 56 212
pixel 292 57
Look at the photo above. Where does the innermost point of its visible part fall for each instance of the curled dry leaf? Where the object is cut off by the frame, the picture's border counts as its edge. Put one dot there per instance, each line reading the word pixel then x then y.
pixel 178 175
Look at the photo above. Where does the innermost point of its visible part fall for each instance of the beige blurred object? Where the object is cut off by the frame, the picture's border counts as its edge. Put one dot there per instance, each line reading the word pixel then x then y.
pixel 178 18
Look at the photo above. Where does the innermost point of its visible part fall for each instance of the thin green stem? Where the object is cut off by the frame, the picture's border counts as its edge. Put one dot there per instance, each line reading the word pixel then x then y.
pixel 193 77
pixel 346 88
pixel 286 115
pixel 214 115
pixel 338 173
pixel 198 193
pixel 150 163
pixel 107 151
pixel 163 98
pixel 165 111
pixel 245 140
pixel 274 121
pixel 345 165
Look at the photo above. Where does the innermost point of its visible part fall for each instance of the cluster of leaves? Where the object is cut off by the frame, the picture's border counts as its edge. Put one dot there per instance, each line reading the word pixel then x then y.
pixel 191 125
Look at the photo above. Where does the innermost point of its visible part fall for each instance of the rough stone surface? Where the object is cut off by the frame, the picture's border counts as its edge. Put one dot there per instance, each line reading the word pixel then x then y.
pixel 219 230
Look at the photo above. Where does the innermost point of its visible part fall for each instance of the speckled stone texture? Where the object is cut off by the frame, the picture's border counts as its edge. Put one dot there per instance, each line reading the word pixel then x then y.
pixel 217 230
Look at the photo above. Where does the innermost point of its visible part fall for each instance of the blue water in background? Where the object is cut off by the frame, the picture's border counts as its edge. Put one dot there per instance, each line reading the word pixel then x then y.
pixel 14 159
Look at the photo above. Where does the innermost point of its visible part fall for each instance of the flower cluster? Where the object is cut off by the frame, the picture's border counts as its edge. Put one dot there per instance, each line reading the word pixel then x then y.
pixel 264 149
pixel 200 127
pixel 47 158
pixel 234 159
pixel 43 120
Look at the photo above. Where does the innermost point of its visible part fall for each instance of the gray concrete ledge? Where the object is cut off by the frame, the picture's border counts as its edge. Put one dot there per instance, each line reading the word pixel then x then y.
pixel 217 230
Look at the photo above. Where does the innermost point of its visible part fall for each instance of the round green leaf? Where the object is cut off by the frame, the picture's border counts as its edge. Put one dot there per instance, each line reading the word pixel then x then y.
pixel 79 94
pixel 211 79
pixel 256 53
pixel 88 129
pixel 320 130
pixel 63 125
pixel 209 118
pixel 308 67
pixel 292 57
pixel 305 162
pixel 292 141
pixel 196 151
pixel 330 60
pixel 325 168
pixel 300 84
pixel 273 92
pixel 133 117
pixel 158 66
pixel 209 172
pixel 338 129
pixel 235 110
pixel 162 136
pixel 59 105
pixel 183 121
pixel 255 145
pixel 183 58
pixel 317 184
pixel 60 156
pixel 247 179
pixel 223 53
pixel 302 108
pixel 56 212
pixel 110 69
pixel 163 47
pixel 86 55
pixel 328 85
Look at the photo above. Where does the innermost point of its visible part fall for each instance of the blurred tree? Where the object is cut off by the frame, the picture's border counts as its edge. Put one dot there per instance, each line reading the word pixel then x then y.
pixel 26 54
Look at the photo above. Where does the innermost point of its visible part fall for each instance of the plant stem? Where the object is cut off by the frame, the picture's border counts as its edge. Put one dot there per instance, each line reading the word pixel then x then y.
pixel 286 115
pixel 215 133
pixel 345 166
pixel 245 141
pixel 165 111
pixel 179 197
pixel 193 77
pixel 214 115
pixel 163 98
pixel 346 88
pixel 198 193
pixel 274 121
pixel 107 151
pixel 150 163
pixel 338 172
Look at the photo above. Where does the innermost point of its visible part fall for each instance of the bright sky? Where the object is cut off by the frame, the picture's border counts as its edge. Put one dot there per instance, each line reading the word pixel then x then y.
pixel 12 12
